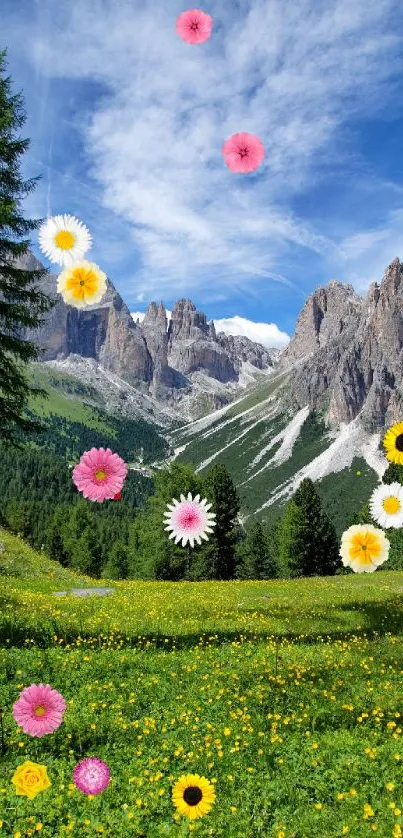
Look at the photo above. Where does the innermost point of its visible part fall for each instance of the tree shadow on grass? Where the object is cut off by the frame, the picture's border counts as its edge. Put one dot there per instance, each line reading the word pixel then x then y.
pixel 378 618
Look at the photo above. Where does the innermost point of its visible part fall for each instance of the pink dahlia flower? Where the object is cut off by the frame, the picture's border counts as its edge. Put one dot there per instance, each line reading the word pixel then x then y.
pixel 91 775
pixel 194 26
pixel 243 153
pixel 100 474
pixel 39 710
pixel 189 520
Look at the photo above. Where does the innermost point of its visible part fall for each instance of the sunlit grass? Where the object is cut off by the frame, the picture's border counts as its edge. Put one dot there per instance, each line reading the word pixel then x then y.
pixel 286 694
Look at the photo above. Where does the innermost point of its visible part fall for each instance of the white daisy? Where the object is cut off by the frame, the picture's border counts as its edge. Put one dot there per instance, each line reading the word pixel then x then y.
pixel 189 520
pixel 386 505
pixel 64 239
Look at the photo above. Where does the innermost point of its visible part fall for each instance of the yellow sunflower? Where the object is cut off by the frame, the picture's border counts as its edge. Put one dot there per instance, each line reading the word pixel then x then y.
pixel 193 796
pixel 393 442
pixel 364 548
pixel 81 285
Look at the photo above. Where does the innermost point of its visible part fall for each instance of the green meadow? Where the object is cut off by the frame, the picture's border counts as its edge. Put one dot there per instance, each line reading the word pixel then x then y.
pixel 286 695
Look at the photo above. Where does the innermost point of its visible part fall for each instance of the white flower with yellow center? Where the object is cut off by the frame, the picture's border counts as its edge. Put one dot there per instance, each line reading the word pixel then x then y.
pixel 82 285
pixel 64 239
pixel 189 520
pixel 364 548
pixel 386 505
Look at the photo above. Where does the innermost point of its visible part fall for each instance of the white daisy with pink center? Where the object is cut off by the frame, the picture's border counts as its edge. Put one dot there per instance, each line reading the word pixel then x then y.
pixel 189 520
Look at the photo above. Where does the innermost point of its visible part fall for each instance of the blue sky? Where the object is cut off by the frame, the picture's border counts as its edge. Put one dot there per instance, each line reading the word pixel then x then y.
pixel 127 124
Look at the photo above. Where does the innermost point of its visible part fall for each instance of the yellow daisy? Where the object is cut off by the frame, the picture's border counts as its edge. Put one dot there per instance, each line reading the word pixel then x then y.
pixel 193 796
pixel 364 548
pixel 82 284
pixel 393 442
pixel 64 239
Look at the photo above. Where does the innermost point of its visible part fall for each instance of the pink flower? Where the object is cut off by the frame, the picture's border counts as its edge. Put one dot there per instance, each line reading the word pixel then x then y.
pixel 243 153
pixel 39 710
pixel 91 775
pixel 189 520
pixel 100 474
pixel 194 26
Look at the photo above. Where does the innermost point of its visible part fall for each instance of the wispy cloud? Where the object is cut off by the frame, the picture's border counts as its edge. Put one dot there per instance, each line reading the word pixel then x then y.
pixel 292 73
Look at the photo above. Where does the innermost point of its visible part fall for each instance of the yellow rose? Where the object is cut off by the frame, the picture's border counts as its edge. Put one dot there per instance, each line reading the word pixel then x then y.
pixel 30 779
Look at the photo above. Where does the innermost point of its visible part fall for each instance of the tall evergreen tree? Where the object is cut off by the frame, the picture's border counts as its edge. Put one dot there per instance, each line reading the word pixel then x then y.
pixel 308 537
pixel 116 565
pixel 221 553
pixel 152 554
pixel 257 558
pixel 21 302
pixel 393 474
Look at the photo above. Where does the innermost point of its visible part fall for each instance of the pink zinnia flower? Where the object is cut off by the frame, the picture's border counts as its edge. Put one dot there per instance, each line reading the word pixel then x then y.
pixel 91 775
pixel 243 153
pixel 194 26
pixel 39 710
pixel 100 474
pixel 189 520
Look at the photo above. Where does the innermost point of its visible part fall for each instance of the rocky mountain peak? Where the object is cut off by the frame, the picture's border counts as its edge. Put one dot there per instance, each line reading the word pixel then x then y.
pixel 156 316
pixel 150 357
pixel 359 367
pixel 186 322
pixel 325 315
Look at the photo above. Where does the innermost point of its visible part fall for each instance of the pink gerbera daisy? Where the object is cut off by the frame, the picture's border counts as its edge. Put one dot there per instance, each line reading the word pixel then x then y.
pixel 100 474
pixel 243 153
pixel 189 520
pixel 91 775
pixel 39 710
pixel 194 26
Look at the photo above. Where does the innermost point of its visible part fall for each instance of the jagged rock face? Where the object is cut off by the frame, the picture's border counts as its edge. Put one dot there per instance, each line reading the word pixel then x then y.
pixel 105 331
pixel 186 323
pixel 149 356
pixel 192 346
pixel 240 348
pixel 370 374
pixel 324 318
pixel 359 370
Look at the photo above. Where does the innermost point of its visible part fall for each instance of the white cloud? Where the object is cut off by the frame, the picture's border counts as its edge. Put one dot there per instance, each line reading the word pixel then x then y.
pixel 292 73
pixel 266 333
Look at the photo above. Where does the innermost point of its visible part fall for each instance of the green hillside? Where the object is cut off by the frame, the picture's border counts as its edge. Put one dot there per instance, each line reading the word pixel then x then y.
pixel 23 567
pixel 76 420
pixel 246 437
pixel 283 694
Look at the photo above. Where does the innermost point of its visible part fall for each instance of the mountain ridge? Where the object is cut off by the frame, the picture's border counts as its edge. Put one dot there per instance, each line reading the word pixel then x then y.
pixel 173 365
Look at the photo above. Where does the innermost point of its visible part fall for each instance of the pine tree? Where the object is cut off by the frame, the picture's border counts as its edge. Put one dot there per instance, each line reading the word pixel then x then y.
pixel 116 565
pixel 257 559
pixel 308 538
pixel 21 303
pixel 54 539
pixel 220 553
pixel 393 474
pixel 291 543
pixel 152 554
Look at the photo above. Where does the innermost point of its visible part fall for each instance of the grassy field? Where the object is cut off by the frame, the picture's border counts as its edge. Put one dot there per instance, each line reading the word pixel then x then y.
pixel 286 695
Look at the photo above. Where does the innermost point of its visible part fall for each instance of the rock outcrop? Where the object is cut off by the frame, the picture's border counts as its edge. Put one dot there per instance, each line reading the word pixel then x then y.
pixel 240 348
pixel 355 366
pixel 151 356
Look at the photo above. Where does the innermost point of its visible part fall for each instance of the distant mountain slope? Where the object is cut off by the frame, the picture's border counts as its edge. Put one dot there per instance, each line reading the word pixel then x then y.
pixel 269 452
pixel 182 369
